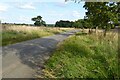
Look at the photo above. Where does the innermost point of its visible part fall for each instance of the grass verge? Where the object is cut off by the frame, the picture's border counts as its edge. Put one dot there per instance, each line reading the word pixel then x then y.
pixel 14 34
pixel 85 56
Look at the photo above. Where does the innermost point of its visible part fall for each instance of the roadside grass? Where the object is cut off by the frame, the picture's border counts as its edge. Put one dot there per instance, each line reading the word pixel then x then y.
pixel 13 34
pixel 85 56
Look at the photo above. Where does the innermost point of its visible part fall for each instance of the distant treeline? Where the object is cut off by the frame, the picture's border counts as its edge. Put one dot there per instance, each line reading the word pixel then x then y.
pixel 80 23
pixel 17 24
pixel 62 23
pixel 49 25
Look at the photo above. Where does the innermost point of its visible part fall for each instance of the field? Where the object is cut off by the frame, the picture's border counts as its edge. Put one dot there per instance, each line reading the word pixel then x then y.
pixel 82 55
pixel 16 33
pixel 85 56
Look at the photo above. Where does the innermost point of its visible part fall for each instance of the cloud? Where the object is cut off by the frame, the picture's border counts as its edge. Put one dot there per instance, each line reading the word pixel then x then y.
pixel 76 14
pixel 3 7
pixel 27 6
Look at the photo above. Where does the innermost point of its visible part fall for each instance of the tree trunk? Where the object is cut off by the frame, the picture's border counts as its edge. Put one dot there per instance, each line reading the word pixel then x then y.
pixel 96 29
pixel 105 32
pixel 82 29
pixel 89 31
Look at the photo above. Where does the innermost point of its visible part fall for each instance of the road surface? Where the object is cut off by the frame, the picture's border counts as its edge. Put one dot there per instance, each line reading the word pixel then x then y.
pixel 21 60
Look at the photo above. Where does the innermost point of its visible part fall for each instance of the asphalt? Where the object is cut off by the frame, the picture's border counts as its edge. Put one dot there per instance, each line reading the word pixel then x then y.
pixel 21 60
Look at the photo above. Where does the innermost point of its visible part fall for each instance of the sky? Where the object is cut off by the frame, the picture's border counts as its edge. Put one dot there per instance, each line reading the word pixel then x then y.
pixel 21 11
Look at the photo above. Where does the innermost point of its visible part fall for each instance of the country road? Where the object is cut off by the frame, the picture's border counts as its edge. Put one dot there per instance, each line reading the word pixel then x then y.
pixel 22 59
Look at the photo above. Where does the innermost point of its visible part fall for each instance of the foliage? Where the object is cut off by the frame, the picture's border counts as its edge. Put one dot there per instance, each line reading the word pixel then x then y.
pixel 102 14
pixel 83 23
pixel 84 56
pixel 38 21
pixel 78 24
pixel 62 23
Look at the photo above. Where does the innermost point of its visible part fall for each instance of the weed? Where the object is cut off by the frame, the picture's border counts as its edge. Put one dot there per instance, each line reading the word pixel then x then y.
pixel 85 56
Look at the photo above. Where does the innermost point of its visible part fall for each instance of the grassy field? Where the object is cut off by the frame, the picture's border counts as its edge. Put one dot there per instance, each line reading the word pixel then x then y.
pixel 85 56
pixel 13 34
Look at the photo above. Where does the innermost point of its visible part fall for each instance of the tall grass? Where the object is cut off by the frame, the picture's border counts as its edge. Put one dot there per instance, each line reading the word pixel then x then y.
pixel 85 56
pixel 13 34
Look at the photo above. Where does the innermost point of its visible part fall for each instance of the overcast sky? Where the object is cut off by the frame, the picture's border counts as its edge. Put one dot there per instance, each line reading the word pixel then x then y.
pixel 21 11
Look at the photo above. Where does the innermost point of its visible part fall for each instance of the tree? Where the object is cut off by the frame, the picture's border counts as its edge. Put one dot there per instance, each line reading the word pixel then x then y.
pixel 78 24
pixel 62 23
pixel 102 14
pixel 38 21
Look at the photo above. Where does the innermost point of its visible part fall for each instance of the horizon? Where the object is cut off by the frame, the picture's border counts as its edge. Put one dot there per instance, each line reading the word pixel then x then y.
pixel 51 12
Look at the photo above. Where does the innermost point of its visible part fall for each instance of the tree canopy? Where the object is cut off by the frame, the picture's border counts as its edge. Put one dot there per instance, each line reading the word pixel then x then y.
pixel 62 23
pixel 101 14
pixel 38 21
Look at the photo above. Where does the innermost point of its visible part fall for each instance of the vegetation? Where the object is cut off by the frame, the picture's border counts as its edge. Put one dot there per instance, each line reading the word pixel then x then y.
pixel 50 25
pixel 85 56
pixel 107 12
pixel 38 21
pixel 82 23
pixel 62 23
pixel 82 55
pixel 21 24
pixel 78 24
pixel 13 34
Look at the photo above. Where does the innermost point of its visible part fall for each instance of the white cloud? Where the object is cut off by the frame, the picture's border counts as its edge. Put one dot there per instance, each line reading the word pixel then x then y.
pixel 76 14
pixel 27 6
pixel 3 7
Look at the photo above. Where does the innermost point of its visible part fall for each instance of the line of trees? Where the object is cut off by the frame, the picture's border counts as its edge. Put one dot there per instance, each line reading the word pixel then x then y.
pixel 102 15
pixel 62 23
pixel 80 23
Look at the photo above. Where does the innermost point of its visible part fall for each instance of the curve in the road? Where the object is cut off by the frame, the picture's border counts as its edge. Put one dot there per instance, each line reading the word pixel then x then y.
pixel 21 60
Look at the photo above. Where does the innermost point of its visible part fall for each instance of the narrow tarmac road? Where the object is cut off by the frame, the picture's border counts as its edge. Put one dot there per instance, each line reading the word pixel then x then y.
pixel 22 59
